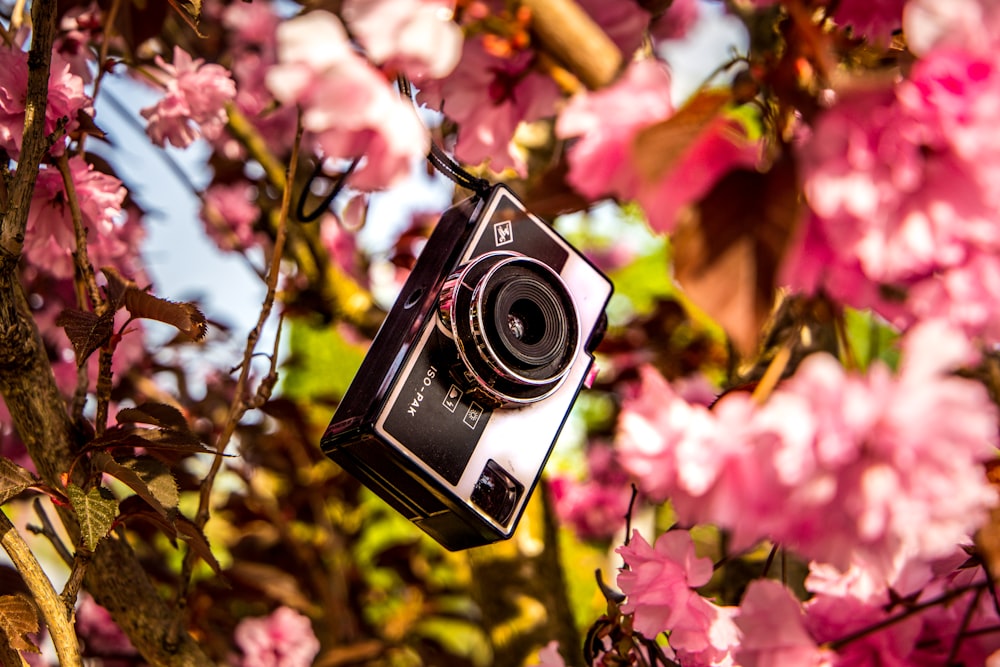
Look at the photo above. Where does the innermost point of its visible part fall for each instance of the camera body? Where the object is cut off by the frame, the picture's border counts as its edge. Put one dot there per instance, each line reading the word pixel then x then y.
pixel 458 402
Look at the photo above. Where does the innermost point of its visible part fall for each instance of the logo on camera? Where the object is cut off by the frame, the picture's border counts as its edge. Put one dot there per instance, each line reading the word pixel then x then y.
pixel 503 233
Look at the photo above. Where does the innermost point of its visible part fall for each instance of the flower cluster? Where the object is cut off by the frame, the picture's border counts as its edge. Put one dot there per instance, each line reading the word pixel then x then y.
pixel 837 467
pixel 348 106
pixel 899 182
pixel 283 639
pixel 194 102
pixel 66 100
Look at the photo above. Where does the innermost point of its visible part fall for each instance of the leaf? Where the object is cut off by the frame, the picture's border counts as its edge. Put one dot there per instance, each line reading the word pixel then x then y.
pixel 155 414
pixel 86 331
pixel 659 147
pixel 18 619
pixel 184 316
pixel 197 542
pixel 153 440
pixel 95 511
pixel 13 479
pixel 148 485
pixel 276 584
pixel 727 255
pixel 173 527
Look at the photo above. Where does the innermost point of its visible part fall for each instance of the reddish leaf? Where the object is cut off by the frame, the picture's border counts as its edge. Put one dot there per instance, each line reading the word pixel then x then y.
pixel 155 414
pixel 86 331
pixel 173 527
pixel 13 479
pixel 133 480
pixel 151 439
pixel 658 148
pixel 141 304
pixel 727 254
pixel 18 619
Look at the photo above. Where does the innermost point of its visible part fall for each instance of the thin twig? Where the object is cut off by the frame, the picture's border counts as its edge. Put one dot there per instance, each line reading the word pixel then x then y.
pixel 48 531
pixel 838 644
pixel 55 613
pixel 966 619
pixel 75 581
pixel 84 269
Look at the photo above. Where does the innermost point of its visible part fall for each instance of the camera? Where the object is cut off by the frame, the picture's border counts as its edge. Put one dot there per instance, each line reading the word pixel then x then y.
pixel 468 382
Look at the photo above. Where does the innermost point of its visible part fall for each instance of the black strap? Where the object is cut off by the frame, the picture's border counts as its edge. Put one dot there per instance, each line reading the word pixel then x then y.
pixel 437 157
pixel 338 185
pixel 441 160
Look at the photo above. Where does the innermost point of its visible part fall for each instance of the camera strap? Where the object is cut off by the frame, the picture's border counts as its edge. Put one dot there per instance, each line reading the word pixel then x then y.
pixel 441 161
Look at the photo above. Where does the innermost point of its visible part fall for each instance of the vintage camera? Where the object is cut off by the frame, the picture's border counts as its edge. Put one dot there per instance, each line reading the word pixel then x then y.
pixel 459 400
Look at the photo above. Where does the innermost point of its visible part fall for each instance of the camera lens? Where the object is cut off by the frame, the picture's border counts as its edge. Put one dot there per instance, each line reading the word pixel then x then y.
pixel 529 329
pixel 514 323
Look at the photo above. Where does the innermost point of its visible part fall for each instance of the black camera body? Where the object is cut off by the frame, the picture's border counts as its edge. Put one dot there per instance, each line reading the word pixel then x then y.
pixel 455 408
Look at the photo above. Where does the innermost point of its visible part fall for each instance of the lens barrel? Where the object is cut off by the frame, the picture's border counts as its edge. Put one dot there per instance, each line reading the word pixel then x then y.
pixel 515 325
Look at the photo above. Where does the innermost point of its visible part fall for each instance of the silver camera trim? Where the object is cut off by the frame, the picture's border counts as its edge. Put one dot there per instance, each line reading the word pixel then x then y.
pixel 481 343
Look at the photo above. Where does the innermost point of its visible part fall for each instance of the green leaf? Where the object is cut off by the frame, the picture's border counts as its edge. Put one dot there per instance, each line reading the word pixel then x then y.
pixel 95 510
pixel 18 619
pixel 870 338
pixel 322 362
pixel 13 479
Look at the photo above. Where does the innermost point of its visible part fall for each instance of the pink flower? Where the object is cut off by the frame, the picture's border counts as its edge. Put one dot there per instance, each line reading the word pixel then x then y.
pixel 417 37
pixel 81 26
pixel 194 104
pixel 549 656
pixel 489 96
pixel 659 583
pixel 595 507
pixel 283 639
pixel 677 21
pixel 623 21
pixel 100 634
pixel 49 241
pixel 604 124
pixel 229 213
pixel 834 466
pixel 773 631
pixel 66 99
pixel 348 107
pixel 903 213
pixel 254 44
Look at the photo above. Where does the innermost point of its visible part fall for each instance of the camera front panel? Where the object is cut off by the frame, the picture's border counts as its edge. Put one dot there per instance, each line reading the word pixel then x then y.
pixel 487 459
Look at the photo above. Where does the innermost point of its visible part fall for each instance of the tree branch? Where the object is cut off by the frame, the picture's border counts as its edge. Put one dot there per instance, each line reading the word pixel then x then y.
pixel 571 36
pixel 55 613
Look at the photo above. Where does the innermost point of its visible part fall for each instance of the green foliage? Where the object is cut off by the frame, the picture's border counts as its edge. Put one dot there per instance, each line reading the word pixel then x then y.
pixel 96 511
pixel 870 338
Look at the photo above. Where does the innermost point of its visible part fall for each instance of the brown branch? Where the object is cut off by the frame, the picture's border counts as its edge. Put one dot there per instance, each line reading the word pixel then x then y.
pixel 574 39
pixel 54 611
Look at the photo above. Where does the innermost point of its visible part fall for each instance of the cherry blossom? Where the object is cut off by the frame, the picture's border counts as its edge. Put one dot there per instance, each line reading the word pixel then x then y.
pixel 834 466
pixel 898 183
pixel 229 214
pixel 113 239
pixel 597 505
pixel 603 125
pixel 489 96
pixel 773 630
pixel 659 583
pixel 254 37
pixel 347 105
pixel 283 639
pixel 676 21
pixel 417 37
pixel 100 634
pixel 194 103
pixel 66 99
